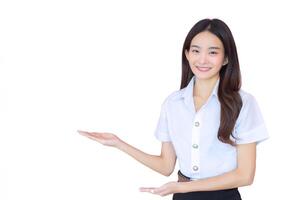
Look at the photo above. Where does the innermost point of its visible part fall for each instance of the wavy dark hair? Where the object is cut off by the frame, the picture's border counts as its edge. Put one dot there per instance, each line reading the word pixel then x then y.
pixel 230 75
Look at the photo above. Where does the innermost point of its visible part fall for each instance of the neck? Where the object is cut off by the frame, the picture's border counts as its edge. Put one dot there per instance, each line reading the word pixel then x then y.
pixel 204 87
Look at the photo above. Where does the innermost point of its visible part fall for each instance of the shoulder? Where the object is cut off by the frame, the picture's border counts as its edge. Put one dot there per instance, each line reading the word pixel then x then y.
pixel 174 96
pixel 250 106
pixel 250 126
pixel 246 97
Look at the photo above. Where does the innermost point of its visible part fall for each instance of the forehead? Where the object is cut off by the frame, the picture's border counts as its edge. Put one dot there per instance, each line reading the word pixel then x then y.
pixel 206 39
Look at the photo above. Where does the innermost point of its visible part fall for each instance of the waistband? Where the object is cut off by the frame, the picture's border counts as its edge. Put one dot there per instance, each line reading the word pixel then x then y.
pixel 182 177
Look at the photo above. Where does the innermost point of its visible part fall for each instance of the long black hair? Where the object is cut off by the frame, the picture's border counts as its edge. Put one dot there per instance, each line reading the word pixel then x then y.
pixel 230 75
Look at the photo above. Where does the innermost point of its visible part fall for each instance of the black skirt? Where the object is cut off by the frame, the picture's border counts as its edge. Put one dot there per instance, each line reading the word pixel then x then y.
pixel 230 194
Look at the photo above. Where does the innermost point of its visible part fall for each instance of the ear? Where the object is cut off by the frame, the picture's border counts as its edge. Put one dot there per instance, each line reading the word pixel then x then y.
pixel 186 52
pixel 225 62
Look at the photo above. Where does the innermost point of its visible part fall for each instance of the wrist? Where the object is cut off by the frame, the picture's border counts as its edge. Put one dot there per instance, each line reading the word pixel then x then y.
pixel 120 144
pixel 182 187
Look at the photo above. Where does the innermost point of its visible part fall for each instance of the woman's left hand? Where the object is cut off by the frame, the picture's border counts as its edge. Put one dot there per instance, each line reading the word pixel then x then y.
pixel 166 189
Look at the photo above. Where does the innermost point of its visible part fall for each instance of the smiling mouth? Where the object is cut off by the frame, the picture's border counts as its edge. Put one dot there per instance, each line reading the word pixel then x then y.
pixel 203 69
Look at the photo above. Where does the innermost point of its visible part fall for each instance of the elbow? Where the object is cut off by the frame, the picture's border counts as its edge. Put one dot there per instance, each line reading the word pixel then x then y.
pixel 246 179
pixel 167 173
pixel 167 169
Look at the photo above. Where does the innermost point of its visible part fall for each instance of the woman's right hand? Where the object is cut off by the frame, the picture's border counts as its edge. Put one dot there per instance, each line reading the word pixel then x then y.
pixel 163 163
pixel 107 139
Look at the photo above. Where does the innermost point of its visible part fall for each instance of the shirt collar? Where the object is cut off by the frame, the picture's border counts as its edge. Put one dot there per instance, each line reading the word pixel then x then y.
pixel 188 93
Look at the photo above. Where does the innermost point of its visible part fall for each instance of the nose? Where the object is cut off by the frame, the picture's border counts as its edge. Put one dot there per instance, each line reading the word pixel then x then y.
pixel 202 58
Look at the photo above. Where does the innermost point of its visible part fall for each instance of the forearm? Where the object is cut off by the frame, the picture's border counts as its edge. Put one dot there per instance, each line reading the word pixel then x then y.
pixel 154 162
pixel 232 179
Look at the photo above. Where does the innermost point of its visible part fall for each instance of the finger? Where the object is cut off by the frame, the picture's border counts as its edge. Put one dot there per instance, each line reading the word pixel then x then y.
pixel 148 189
pixel 98 134
pixel 86 135
pixel 159 191
pixel 96 139
pixel 162 191
pixel 163 194
pixel 89 134
pixel 95 134
pixel 82 132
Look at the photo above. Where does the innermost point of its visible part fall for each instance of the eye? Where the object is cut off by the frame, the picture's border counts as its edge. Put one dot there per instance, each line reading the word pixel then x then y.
pixel 195 51
pixel 213 52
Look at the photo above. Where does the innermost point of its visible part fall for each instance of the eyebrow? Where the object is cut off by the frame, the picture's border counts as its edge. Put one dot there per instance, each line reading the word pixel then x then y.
pixel 208 48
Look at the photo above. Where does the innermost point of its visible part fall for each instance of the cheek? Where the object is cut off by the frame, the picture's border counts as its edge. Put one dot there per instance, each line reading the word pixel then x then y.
pixel 217 61
pixel 191 61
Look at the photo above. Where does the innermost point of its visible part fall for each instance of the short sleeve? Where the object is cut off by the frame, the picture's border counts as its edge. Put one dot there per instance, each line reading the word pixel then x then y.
pixel 162 129
pixel 250 126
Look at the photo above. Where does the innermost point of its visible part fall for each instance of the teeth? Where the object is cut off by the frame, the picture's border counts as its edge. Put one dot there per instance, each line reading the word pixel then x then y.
pixel 203 68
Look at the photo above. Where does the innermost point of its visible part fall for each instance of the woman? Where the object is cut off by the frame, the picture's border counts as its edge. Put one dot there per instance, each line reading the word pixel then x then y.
pixel 210 125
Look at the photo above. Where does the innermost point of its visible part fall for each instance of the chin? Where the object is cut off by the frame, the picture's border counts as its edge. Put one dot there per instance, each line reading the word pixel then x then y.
pixel 203 76
pixel 206 76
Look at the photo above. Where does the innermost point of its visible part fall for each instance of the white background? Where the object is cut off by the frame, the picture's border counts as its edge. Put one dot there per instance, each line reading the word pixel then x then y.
pixel 108 66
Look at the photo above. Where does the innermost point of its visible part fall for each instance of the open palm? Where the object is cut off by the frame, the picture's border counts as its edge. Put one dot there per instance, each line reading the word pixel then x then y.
pixel 107 139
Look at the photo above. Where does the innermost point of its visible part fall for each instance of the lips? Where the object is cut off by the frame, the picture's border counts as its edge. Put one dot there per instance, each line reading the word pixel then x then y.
pixel 203 69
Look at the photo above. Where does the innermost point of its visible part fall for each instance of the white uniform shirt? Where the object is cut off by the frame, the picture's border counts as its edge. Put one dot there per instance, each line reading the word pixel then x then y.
pixel 194 134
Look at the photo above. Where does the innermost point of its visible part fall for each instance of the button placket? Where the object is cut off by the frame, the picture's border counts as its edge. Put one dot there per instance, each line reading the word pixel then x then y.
pixel 195 151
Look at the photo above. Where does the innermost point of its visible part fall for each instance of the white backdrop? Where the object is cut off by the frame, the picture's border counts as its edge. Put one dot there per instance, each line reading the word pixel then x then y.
pixel 108 66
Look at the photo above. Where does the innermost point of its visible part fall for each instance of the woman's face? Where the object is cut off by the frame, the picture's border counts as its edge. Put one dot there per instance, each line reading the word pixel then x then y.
pixel 206 55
